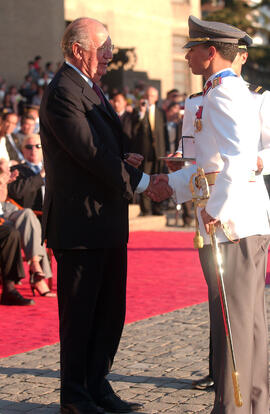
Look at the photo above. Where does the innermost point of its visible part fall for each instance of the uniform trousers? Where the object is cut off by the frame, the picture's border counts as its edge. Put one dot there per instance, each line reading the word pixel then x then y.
pixel 91 288
pixel 29 227
pixel 244 265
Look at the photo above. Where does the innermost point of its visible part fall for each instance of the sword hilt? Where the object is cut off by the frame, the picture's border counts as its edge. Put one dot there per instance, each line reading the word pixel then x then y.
pixel 237 394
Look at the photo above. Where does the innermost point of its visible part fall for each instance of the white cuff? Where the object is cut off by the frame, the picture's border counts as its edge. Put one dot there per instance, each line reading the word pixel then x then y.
pixel 143 184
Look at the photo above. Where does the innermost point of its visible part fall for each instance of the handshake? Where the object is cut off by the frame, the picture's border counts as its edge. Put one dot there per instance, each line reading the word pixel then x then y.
pixel 158 188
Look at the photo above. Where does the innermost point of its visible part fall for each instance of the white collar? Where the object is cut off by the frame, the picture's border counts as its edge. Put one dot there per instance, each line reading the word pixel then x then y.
pixel 88 80
pixel 217 73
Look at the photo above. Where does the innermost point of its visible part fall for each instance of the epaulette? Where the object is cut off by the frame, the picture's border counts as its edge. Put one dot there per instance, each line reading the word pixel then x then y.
pixel 195 94
pixel 256 89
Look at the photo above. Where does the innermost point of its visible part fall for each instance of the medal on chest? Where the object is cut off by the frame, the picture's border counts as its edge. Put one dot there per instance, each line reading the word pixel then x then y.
pixel 198 120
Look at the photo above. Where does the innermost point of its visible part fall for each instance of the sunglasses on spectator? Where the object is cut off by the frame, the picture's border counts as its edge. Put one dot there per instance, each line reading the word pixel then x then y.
pixel 29 146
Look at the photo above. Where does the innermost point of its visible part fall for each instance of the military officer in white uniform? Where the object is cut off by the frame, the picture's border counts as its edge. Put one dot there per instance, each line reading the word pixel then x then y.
pixel 227 137
pixel 192 104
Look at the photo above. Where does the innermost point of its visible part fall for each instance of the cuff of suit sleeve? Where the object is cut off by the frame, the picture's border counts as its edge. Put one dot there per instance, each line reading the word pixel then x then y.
pixel 143 184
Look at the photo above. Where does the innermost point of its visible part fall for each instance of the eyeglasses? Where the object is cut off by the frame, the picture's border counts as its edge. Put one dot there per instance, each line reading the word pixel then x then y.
pixel 29 146
pixel 105 48
pixel 102 48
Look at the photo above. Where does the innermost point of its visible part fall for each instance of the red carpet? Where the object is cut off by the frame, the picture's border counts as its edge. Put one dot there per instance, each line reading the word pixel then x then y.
pixel 163 275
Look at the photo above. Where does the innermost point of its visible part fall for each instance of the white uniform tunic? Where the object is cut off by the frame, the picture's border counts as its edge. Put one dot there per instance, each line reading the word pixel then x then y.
pixel 232 120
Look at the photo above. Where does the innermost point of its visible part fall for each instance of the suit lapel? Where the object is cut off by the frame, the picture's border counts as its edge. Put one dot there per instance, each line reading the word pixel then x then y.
pixel 90 94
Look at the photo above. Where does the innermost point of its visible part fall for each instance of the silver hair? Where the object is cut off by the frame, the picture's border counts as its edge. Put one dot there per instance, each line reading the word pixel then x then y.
pixel 76 32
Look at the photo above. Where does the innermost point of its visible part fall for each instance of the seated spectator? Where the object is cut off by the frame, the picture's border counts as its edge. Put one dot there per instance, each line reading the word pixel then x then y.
pixel 36 100
pixel 119 104
pixel 7 105
pixel 49 70
pixel 15 98
pixel 32 71
pixel 27 126
pixel 3 89
pixel 26 222
pixel 33 110
pixel 28 189
pixel 9 145
pixel 37 62
pixel 12 270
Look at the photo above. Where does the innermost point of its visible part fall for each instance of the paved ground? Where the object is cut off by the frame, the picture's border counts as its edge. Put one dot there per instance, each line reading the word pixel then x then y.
pixel 156 363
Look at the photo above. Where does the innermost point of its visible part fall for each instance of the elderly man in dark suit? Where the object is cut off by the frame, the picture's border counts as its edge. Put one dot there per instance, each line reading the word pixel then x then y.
pixel 85 217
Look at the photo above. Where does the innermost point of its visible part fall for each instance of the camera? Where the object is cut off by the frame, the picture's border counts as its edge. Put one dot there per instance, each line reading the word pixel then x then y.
pixel 144 103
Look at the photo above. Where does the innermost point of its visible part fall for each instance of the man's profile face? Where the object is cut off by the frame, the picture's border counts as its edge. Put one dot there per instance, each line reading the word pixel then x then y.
pixel 95 61
pixel 198 59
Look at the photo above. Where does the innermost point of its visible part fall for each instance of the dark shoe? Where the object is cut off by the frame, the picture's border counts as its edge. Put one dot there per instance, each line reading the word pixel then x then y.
pixel 113 404
pixel 14 298
pixel 81 408
pixel 204 383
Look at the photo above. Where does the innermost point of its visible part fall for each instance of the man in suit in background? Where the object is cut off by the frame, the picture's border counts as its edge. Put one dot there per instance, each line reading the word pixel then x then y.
pixel 89 183
pixel 119 104
pixel 151 140
pixel 9 144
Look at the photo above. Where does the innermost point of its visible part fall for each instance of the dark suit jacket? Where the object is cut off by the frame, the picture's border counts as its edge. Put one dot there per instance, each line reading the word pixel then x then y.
pixel 127 123
pixel 88 185
pixel 13 155
pixel 144 140
pixel 26 189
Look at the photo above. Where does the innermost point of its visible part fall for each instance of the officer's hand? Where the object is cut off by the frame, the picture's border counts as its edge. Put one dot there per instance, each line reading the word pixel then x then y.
pixel 207 220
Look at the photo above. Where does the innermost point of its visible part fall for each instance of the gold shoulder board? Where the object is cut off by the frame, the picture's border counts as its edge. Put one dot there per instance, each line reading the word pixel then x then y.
pixel 256 89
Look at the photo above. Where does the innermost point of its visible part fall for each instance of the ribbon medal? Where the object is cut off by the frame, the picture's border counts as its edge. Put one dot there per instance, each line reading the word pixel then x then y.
pixel 198 120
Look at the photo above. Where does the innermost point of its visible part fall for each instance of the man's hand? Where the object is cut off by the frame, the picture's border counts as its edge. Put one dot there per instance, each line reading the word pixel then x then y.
pixel 259 165
pixel 134 159
pixel 143 104
pixel 175 165
pixel 13 176
pixel 159 189
pixel 207 220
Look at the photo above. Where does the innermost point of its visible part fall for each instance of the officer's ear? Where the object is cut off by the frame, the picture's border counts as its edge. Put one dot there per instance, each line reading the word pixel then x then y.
pixel 212 51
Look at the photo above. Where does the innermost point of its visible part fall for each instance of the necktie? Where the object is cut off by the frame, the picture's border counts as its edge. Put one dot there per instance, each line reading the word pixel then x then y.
pixel 36 169
pixel 99 93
